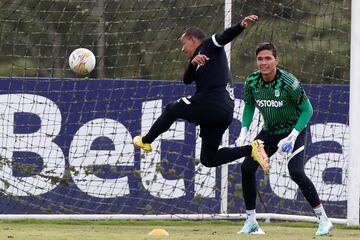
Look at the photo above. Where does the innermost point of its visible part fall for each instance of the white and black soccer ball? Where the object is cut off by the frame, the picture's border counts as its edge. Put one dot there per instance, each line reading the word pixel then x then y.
pixel 82 61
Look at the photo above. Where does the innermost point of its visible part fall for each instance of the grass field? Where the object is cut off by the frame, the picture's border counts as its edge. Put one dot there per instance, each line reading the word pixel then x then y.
pixel 194 230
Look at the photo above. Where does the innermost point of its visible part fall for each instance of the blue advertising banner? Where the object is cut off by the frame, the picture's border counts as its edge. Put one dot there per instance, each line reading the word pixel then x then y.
pixel 66 147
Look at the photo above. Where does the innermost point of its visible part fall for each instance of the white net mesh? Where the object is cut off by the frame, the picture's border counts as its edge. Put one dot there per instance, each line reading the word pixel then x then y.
pixel 66 142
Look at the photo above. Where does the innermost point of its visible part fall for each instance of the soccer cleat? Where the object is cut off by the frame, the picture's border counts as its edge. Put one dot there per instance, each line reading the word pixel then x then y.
pixel 258 154
pixel 324 228
pixel 139 144
pixel 249 228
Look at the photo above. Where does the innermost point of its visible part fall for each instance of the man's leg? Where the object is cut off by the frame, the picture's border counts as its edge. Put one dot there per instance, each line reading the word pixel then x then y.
pixel 182 109
pixel 248 179
pixel 212 156
pixel 297 174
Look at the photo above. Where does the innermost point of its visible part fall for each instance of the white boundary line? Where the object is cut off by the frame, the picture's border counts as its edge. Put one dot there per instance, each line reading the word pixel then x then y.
pixel 265 216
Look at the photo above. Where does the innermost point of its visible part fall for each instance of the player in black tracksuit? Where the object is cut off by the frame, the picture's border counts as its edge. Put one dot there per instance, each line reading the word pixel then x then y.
pixel 212 105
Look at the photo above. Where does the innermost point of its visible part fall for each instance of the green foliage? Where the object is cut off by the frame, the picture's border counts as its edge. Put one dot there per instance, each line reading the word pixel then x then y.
pixel 140 39
pixel 312 37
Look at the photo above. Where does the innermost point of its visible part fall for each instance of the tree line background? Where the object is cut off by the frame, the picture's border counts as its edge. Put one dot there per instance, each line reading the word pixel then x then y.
pixel 139 39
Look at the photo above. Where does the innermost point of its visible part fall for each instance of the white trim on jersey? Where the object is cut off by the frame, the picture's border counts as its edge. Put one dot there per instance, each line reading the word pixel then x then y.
pixel 199 65
pixel 215 42
pixel 185 100
pixel 296 152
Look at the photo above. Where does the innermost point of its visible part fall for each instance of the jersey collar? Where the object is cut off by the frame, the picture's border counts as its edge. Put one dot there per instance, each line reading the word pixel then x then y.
pixel 278 74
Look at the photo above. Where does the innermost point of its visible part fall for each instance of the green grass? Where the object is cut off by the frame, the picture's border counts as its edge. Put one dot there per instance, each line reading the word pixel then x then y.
pixel 184 230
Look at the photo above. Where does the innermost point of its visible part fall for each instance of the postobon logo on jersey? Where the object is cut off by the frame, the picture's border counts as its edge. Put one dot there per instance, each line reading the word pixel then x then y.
pixel 269 103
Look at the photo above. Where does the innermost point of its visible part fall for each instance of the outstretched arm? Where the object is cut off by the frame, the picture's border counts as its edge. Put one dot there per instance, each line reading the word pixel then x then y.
pixel 232 32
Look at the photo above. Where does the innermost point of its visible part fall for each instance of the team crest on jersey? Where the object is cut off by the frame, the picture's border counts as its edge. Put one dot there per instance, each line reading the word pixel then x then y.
pixel 277 93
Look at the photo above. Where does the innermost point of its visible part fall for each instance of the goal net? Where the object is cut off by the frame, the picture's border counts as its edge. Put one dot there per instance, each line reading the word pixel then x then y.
pixel 66 141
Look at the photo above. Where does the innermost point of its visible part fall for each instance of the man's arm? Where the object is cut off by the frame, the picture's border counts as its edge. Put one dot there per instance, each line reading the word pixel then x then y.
pixel 299 97
pixel 306 113
pixel 286 145
pixel 189 74
pixel 249 109
pixel 248 115
pixel 232 32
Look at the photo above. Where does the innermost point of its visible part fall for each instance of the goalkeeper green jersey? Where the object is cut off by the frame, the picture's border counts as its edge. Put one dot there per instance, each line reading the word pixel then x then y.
pixel 282 102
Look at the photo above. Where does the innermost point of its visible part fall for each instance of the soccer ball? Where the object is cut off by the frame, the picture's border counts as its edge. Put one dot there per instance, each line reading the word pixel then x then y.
pixel 82 61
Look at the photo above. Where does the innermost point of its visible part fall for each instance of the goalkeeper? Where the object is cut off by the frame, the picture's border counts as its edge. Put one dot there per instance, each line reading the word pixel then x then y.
pixel 212 105
pixel 286 111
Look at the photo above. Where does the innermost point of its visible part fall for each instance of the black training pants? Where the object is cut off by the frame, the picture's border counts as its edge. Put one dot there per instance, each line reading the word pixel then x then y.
pixel 295 166
pixel 213 120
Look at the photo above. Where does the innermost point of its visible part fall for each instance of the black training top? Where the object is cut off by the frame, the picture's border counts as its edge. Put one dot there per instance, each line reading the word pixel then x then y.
pixel 214 76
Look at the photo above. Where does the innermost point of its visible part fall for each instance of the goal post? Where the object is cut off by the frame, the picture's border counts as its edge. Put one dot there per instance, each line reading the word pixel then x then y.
pixel 353 200
pixel 66 141
pixel 224 168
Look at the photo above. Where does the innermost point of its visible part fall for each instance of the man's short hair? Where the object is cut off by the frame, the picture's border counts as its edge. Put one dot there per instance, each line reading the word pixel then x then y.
pixel 266 46
pixel 195 32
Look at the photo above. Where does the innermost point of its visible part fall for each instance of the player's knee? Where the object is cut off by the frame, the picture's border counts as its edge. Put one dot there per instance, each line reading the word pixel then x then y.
pixel 296 175
pixel 208 162
pixel 170 108
pixel 248 167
